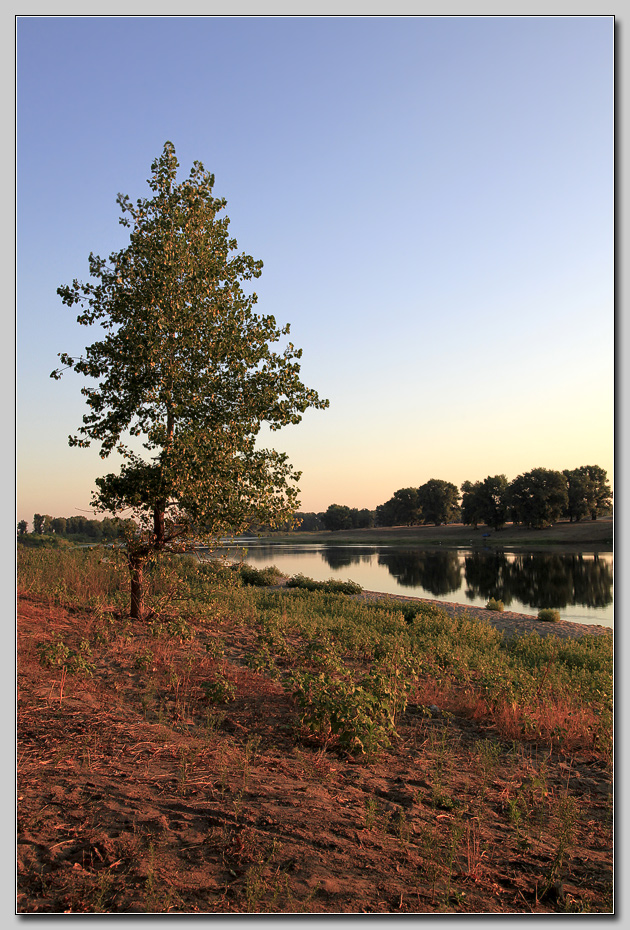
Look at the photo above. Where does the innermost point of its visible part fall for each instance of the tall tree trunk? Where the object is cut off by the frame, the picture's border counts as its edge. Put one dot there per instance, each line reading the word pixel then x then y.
pixel 136 572
pixel 158 525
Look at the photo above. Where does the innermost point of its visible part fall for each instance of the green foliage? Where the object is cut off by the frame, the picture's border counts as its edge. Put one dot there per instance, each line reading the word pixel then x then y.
pixel 340 517
pixel 39 522
pixel 589 493
pixel 186 364
pixel 261 577
pixel 493 604
pixel 548 615
pixel 71 576
pixel 402 509
pixel 219 691
pixel 308 522
pixel 75 661
pixel 438 501
pixel 218 572
pixel 538 497
pixel 582 667
pixel 333 586
pixel 485 501
pixel 78 528
pixel 30 541
pixel 352 713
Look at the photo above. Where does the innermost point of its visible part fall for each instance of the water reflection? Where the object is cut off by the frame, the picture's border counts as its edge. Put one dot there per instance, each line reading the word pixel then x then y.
pixel 540 579
pixel 437 572
pixel 522 581
pixel 537 579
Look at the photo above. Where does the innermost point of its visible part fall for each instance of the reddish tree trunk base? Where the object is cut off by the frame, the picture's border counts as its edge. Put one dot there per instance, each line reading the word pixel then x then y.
pixel 137 588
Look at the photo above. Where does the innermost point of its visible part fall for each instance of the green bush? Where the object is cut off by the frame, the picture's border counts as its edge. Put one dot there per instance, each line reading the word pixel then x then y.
pixel 220 691
pixel 332 586
pixel 260 577
pixel 57 653
pixel 349 712
pixel 493 604
pixel 219 572
pixel 547 615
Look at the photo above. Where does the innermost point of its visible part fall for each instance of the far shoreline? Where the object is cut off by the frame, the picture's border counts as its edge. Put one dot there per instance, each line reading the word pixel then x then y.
pixel 588 535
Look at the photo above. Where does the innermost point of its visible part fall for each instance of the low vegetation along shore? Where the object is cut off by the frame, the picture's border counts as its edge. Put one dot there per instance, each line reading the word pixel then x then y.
pixel 252 748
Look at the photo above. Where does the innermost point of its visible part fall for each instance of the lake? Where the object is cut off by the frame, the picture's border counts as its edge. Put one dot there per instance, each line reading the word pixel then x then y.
pixel 579 585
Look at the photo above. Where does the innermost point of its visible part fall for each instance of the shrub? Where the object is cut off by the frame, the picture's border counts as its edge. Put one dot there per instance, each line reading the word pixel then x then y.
pixel 547 615
pixel 219 572
pixel 219 691
pixel 332 586
pixel 57 653
pixel 350 713
pixel 260 577
pixel 493 604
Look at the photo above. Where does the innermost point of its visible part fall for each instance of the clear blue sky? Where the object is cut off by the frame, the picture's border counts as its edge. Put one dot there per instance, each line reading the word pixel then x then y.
pixel 432 199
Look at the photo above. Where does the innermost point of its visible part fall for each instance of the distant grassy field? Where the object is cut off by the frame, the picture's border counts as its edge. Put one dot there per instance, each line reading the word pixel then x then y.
pixel 588 534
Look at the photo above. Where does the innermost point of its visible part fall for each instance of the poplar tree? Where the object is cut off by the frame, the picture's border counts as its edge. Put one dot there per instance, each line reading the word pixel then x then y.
pixel 186 372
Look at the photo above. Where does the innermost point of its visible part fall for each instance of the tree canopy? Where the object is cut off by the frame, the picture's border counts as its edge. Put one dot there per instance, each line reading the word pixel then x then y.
pixel 402 509
pixel 341 517
pixel 588 490
pixel 538 497
pixel 438 501
pixel 485 501
pixel 186 365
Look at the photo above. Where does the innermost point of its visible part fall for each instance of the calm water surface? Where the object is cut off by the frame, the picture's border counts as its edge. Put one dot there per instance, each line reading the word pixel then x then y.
pixel 579 585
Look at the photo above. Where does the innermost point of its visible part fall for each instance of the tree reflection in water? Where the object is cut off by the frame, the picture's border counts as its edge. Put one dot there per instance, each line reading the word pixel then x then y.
pixel 540 579
pixel 537 579
pixel 438 572
pixel 533 579
pixel 337 557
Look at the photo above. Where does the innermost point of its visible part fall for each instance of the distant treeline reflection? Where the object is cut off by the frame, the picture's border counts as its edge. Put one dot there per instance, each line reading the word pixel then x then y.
pixel 535 579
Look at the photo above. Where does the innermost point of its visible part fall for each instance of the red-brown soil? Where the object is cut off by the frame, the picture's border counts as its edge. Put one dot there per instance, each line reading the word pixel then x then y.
pixel 136 795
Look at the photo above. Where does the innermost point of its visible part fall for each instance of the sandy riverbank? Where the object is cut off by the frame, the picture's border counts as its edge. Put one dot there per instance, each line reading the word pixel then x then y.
pixel 510 623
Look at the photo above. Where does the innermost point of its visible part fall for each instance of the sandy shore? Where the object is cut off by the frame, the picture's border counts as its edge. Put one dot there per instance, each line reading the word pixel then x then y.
pixel 511 624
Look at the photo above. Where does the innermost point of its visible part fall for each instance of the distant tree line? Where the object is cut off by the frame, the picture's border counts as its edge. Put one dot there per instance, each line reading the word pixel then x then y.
pixel 535 499
pixel 77 529
pixel 337 517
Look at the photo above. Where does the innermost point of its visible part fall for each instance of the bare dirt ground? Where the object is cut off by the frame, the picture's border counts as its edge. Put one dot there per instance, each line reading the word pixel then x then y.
pixel 134 794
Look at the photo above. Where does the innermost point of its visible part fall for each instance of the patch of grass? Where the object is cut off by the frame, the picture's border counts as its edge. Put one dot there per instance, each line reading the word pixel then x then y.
pixel 494 604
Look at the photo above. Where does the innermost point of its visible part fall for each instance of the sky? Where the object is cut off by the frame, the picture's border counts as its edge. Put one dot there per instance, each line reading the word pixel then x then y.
pixel 432 198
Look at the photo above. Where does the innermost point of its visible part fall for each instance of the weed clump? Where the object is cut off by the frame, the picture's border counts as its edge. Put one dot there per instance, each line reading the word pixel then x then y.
pixel 493 604
pixel 547 615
